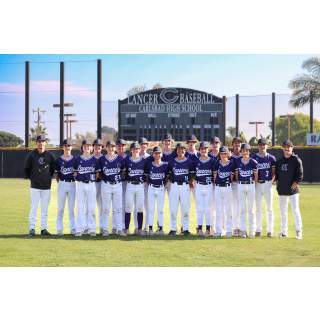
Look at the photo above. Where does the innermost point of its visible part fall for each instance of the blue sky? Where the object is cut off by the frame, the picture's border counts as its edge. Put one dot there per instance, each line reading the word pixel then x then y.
pixel 248 75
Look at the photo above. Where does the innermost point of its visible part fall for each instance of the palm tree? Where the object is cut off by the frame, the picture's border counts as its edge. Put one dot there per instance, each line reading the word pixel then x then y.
pixel 303 83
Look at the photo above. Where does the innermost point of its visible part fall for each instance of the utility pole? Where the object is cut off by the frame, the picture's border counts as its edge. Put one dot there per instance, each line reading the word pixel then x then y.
pixel 38 111
pixel 256 123
pixel 68 121
pixel 288 117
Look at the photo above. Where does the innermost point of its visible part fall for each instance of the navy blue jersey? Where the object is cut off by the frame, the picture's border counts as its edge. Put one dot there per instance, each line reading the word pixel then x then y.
pixel 203 170
pixel 98 157
pixel 86 168
pixel 246 170
pixel 224 172
pixel 211 155
pixel 157 174
pixel 192 156
pixel 181 169
pixel 65 168
pixel 168 156
pixel 111 169
pixel 265 164
pixel 135 168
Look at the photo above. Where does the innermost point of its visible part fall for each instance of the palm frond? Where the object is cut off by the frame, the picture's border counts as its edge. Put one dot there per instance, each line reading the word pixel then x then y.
pixel 305 81
pixel 312 65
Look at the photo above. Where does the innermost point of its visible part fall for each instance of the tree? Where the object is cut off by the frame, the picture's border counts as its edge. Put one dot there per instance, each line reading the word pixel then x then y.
pixel 136 89
pixel 80 136
pixel 8 139
pixel 231 133
pixel 37 130
pixel 108 133
pixel 299 128
pixel 157 86
pixel 303 83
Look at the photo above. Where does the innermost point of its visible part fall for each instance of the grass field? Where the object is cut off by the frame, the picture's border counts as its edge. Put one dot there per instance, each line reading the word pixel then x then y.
pixel 16 249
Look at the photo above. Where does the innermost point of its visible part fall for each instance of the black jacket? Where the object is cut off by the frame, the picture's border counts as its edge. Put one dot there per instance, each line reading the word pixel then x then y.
pixel 288 170
pixel 39 168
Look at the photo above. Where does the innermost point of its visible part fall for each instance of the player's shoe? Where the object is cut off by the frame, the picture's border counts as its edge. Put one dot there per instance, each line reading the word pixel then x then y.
pixel 269 234
pixel 299 235
pixel 242 234
pixel 32 233
pixel 252 235
pixel 172 233
pixel 60 233
pixel 217 235
pixel 127 232
pixel 121 233
pixel 150 233
pixel 229 235
pixel 105 233
pixel 92 234
pixel 114 231
pixel 73 232
pixel 85 231
pixel 258 234
pixel 187 233
pixel 45 232
pixel 78 234
pixel 236 233
pixel 207 233
pixel 283 235
pixel 138 232
pixel 200 232
pixel 160 233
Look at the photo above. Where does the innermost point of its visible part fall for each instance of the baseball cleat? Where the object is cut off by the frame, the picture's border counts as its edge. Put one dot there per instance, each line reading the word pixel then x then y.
pixel 252 235
pixel 127 232
pixel 45 232
pixel 242 234
pixel 269 234
pixel 105 233
pixel 32 233
pixel 217 234
pixel 92 234
pixel 85 231
pixel 150 233
pixel 200 233
pixel 258 234
pixel 187 233
pixel 138 232
pixel 73 232
pixel 121 233
pixel 229 235
pixel 160 233
pixel 236 233
pixel 172 233
pixel 207 233
pixel 114 231
pixel 283 235
pixel 299 235
pixel 78 234
pixel 60 233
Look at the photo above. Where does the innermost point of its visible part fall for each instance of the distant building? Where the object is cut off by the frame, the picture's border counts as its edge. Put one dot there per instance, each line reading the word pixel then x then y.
pixel 178 111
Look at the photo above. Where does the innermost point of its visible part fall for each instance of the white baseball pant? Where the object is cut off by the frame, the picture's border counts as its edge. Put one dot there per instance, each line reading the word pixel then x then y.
pixel 66 190
pixel 235 206
pixel 86 203
pixel 98 200
pixel 114 221
pixel 145 208
pixel 223 208
pixel 36 196
pixel 111 194
pixel 246 195
pixel 295 209
pixel 134 197
pixel 264 190
pixel 155 197
pixel 213 208
pixel 203 195
pixel 179 194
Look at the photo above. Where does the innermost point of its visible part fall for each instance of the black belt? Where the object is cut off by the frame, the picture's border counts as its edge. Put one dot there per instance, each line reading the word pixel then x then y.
pixel 86 181
pixel 156 185
pixel 263 181
pixel 135 182
pixel 223 184
pixel 112 182
pixel 246 182
pixel 203 183
pixel 180 183
pixel 67 180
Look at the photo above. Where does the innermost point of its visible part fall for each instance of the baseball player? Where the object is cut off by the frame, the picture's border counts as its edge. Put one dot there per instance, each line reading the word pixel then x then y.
pixel 112 167
pixel 289 174
pixel 66 187
pixel 167 153
pixel 266 173
pixel 192 152
pixel 203 171
pixel 134 166
pixel 214 153
pixel 39 168
pixel 235 156
pixel 157 175
pixel 121 151
pixel 86 170
pixel 97 153
pixel 181 169
pixel 223 177
pixel 246 175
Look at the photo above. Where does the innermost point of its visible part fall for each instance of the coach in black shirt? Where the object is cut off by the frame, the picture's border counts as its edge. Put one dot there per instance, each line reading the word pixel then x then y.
pixel 289 173
pixel 39 168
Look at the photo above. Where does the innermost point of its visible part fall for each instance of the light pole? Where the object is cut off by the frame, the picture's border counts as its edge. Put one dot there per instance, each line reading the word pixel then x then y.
pixel 256 123
pixel 288 117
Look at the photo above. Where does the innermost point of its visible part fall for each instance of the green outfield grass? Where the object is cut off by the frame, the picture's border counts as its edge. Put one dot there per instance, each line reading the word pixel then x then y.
pixel 16 249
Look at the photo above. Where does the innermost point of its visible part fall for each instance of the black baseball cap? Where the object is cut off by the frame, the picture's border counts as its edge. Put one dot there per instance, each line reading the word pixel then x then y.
pixel 245 146
pixel 85 141
pixel 204 144
pixel 236 139
pixel 180 145
pixel 192 137
pixel 262 141
pixel 287 143
pixel 215 140
pixel 223 149
pixel 157 149
pixel 110 143
pixel 135 145
pixel 143 140
pixel 67 142
pixel 167 136
pixel 97 142
pixel 41 137
pixel 121 142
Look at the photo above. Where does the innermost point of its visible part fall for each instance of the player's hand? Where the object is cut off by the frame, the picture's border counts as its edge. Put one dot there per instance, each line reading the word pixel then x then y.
pixel 294 186
pixel 191 184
